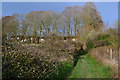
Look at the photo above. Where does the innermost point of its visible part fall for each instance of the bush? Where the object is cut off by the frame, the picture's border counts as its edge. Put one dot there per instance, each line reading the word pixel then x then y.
pixel 88 38
pixel 114 40
pixel 99 40
pixel 62 71
pixel 103 37
pixel 19 63
pixel 90 45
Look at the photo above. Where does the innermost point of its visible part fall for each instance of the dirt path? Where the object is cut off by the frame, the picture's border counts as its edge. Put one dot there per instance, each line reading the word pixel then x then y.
pixel 88 67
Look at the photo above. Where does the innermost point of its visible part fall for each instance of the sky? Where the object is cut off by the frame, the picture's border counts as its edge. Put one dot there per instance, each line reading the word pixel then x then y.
pixel 60 0
pixel 108 10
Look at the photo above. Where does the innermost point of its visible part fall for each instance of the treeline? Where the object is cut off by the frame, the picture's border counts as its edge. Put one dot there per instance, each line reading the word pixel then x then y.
pixel 49 23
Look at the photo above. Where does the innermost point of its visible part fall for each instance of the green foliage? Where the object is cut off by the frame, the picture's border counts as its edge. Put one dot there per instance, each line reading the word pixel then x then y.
pixel 114 40
pixel 62 71
pixel 103 36
pixel 99 40
pixel 90 45
pixel 108 39
pixel 113 35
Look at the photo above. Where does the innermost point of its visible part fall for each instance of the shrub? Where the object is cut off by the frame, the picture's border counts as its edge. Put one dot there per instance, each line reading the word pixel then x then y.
pixel 62 71
pixel 103 37
pixel 90 45
pixel 114 40
pixel 88 38
pixel 19 63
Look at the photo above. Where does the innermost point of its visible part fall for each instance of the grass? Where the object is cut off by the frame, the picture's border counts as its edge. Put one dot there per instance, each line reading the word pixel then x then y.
pixel 88 67
pixel 62 71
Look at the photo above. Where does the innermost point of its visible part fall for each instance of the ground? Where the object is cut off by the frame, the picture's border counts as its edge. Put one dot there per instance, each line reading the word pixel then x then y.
pixel 88 67
pixel 44 61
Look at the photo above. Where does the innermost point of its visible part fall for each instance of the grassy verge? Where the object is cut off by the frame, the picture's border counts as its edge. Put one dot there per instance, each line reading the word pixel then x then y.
pixel 62 71
pixel 88 67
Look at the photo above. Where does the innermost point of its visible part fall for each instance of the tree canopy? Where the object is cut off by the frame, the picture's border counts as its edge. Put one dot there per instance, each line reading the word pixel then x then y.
pixel 46 23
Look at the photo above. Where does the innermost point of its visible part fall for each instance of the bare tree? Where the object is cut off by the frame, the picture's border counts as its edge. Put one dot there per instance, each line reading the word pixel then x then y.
pixel 76 16
pixel 91 17
pixel 67 23
pixel 55 23
pixel 68 15
pixel 9 27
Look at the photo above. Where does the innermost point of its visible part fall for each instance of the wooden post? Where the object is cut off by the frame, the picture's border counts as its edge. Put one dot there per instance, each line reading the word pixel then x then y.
pixel 29 39
pixel 110 53
pixel 107 50
pixel 38 38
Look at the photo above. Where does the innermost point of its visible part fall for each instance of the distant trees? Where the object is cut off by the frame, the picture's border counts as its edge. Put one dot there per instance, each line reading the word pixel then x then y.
pixel 32 23
pixel 90 22
pixel 49 23
pixel 68 14
pixel 22 24
pixel 55 23
pixel 77 19
pixel 91 17
pixel 9 27
pixel 72 19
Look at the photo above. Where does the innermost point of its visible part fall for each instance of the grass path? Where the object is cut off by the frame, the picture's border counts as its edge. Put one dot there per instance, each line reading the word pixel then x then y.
pixel 88 67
